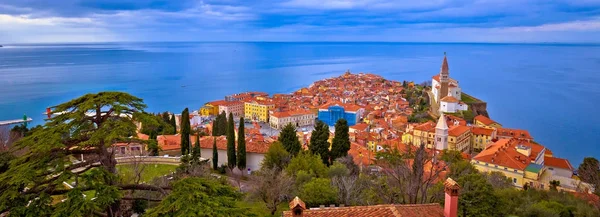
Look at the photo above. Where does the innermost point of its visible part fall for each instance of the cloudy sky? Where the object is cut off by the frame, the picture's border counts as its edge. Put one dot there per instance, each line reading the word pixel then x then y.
pixel 29 21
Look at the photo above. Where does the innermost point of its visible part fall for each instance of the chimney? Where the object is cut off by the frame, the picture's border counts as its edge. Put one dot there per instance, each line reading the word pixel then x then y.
pixel 451 189
pixel 297 207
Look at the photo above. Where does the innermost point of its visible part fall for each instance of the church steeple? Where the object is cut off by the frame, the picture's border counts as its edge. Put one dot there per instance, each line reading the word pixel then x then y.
pixel 444 79
pixel 441 133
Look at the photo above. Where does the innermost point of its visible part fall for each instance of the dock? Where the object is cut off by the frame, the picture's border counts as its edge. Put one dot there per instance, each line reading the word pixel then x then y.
pixel 17 121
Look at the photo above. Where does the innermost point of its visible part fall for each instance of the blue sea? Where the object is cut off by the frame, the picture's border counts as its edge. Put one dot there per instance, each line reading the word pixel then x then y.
pixel 552 90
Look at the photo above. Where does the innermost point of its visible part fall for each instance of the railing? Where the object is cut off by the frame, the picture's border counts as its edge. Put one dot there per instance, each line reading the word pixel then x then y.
pixel 149 160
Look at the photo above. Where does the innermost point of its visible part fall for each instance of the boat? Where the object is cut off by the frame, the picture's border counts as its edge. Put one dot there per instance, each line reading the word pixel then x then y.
pixel 0 45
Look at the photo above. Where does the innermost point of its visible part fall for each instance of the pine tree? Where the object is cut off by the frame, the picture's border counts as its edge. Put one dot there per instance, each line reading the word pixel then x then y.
pixel 215 158
pixel 341 140
pixel 173 124
pixel 241 148
pixel 319 144
pixel 231 143
pixel 196 151
pixel 289 140
pixel 185 131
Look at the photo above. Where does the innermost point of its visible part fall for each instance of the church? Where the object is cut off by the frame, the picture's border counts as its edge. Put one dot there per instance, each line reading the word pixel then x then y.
pixel 446 91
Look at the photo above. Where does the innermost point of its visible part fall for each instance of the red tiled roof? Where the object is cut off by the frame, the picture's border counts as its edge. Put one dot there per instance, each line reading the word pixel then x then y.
pixel 458 130
pixel 218 102
pixel 360 154
pixel 142 136
pixel 427 126
pixel 388 210
pixel 558 163
pixel 436 77
pixel 484 120
pixel 449 99
pixel 515 133
pixel 172 142
pixel 503 153
pixel 360 127
pixel 481 131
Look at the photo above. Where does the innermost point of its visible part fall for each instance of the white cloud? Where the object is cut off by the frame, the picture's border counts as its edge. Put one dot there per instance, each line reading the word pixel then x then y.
pixel 363 4
pixel 585 25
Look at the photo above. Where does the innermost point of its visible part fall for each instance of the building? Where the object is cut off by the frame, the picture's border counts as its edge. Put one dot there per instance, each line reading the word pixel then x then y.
pixel 123 149
pixel 278 120
pixel 481 137
pixel 451 188
pixel 456 137
pixel 234 107
pixel 483 121
pixel 508 133
pixel 331 113
pixel 527 164
pixel 450 104
pixel 255 150
pixel 258 110
pixel 424 134
pixel 446 90
pixel 211 108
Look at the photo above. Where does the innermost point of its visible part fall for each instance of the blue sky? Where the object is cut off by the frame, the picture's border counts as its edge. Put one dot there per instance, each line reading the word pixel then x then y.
pixel 29 21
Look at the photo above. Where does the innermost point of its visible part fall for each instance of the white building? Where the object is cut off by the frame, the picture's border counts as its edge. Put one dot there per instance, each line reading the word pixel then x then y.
pixel 441 134
pixel 255 151
pixel 446 90
pixel 278 120
pixel 234 107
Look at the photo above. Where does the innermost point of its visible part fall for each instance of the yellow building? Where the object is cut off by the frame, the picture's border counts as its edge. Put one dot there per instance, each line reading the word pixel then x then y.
pixel 424 133
pixel 481 137
pixel 485 122
pixel 459 138
pixel 258 110
pixel 211 108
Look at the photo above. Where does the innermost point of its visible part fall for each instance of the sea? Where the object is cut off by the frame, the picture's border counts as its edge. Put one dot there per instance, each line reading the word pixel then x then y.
pixel 552 90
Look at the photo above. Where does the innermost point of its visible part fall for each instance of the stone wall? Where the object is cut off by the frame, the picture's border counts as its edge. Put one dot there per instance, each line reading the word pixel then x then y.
pixel 478 108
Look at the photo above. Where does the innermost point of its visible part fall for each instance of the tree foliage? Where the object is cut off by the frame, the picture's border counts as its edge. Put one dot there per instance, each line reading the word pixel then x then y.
pixel 341 140
pixel 215 154
pixel 184 125
pixel 319 144
pixel 589 171
pixel 309 163
pixel 241 147
pixel 272 187
pixel 317 192
pixel 196 151
pixel 200 197
pixel 173 122
pixel 231 161
pixel 289 139
pixel 276 157
pixel 86 125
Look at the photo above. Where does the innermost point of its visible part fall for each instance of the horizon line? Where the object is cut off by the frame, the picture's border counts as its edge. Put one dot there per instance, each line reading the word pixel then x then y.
pixel 382 42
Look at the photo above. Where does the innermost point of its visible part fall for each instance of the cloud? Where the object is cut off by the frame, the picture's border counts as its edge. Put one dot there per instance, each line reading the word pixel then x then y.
pixel 299 20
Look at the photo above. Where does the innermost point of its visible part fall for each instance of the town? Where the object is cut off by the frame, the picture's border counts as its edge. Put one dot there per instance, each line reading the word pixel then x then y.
pixel 371 146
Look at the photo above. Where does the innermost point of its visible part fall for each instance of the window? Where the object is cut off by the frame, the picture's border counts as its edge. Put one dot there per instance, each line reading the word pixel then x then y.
pixel 122 150
pixel 505 168
pixel 515 171
pixel 486 164
pixel 515 180
pixel 496 166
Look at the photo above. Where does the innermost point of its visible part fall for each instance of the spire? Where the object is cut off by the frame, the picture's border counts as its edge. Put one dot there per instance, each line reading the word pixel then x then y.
pixel 444 69
pixel 441 124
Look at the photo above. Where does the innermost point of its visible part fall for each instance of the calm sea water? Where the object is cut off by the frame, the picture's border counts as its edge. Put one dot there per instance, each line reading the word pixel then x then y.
pixel 551 90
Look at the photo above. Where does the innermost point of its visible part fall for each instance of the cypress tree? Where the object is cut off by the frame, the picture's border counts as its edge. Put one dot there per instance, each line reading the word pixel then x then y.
pixel 341 140
pixel 196 151
pixel 173 124
pixel 185 132
pixel 241 147
pixel 215 158
pixel 289 140
pixel 319 144
pixel 223 124
pixel 215 126
pixel 231 143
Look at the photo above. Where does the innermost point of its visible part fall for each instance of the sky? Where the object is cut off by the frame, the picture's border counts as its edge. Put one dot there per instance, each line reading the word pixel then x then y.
pixel 528 21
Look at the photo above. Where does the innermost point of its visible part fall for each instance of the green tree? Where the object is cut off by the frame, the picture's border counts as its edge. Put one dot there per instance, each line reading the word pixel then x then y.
pixel 231 161
pixel 319 144
pixel 215 126
pixel 554 184
pixel 309 163
pixel 215 158
pixel 184 125
pixel 241 148
pixel 196 151
pixel 476 196
pixel 341 140
pixel 222 124
pixel 589 171
pixel 200 197
pixel 338 169
pixel 173 122
pixel 289 139
pixel 153 147
pixel 155 124
pixel 46 162
pixel 318 192
pixel 276 157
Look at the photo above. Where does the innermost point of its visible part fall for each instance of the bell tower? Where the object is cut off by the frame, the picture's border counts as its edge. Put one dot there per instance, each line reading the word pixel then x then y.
pixel 444 78
pixel 441 133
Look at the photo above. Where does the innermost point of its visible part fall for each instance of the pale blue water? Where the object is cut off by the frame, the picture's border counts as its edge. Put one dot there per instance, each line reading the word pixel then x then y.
pixel 551 90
